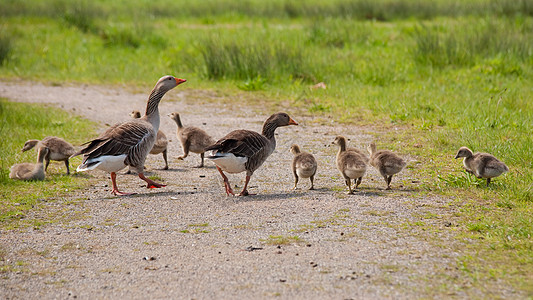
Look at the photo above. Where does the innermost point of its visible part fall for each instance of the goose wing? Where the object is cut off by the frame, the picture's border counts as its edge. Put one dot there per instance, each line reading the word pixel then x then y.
pixel 244 143
pixel 133 138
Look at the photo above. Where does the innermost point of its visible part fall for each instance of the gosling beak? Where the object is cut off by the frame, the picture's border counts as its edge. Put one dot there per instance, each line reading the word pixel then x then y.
pixel 457 156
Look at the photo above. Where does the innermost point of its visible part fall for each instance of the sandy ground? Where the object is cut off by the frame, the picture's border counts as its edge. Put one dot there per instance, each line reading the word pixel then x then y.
pixel 190 241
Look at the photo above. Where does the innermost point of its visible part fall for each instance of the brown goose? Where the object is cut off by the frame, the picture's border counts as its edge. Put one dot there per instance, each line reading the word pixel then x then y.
pixel 29 171
pixel 59 149
pixel 245 150
pixel 386 162
pixel 128 143
pixel 303 165
pixel 482 165
pixel 161 141
pixel 350 164
pixel 192 138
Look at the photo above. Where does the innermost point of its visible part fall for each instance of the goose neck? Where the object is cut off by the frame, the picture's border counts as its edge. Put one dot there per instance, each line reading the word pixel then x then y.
pixel 269 129
pixel 153 101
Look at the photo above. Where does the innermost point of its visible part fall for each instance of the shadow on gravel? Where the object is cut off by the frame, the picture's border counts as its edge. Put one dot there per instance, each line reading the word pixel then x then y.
pixel 266 197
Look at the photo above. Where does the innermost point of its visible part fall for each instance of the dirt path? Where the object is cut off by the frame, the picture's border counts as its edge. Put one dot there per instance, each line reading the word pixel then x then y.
pixel 189 240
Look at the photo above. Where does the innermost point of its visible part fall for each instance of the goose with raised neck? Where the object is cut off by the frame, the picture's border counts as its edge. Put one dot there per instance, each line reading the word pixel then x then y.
pixel 128 143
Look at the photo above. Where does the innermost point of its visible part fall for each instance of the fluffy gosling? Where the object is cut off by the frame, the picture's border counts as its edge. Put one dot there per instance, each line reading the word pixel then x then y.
pixel 303 165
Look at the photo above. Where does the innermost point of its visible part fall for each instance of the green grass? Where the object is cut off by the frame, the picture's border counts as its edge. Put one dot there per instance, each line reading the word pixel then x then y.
pixel 21 122
pixel 446 73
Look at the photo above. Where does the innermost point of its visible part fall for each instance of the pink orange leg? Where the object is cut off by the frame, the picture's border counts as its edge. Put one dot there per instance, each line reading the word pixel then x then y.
pixel 244 190
pixel 229 191
pixel 115 191
pixel 150 183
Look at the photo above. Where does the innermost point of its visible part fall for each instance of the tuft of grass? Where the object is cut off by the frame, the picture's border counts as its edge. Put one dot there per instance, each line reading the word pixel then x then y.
pixel 461 45
pixel 262 58
pixel 282 240
pixel 6 46
pixel 81 14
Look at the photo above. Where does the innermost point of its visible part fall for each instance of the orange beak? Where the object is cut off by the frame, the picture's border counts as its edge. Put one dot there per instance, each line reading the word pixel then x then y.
pixel 180 81
pixel 292 122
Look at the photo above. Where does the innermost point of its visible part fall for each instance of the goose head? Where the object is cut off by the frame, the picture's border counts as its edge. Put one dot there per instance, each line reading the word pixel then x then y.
pixel 168 82
pixel 174 116
pixel 339 141
pixel 135 114
pixel 295 149
pixel 371 148
pixel 29 144
pixel 280 119
pixel 464 152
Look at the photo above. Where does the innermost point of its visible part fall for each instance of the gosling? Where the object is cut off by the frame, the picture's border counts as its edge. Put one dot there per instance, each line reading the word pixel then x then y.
pixel 303 165
pixel 29 171
pixel 386 162
pixel 58 149
pixel 161 142
pixel 482 165
pixel 350 164
pixel 192 139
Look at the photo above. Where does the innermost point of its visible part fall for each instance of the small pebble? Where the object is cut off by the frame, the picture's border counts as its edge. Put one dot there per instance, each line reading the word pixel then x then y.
pixel 149 258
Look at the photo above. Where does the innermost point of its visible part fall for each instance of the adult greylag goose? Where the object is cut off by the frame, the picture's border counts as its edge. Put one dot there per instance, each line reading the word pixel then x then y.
pixel 29 171
pixel 351 164
pixel 161 141
pixel 59 149
pixel 245 150
pixel 303 165
pixel 482 165
pixel 386 162
pixel 192 139
pixel 128 143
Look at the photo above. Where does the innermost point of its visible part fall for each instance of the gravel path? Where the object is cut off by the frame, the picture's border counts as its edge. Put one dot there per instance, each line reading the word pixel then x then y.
pixel 190 241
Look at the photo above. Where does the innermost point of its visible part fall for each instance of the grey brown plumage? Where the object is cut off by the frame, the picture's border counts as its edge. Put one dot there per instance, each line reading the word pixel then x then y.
pixel 161 141
pixel 482 165
pixel 245 150
pixel 351 164
pixel 193 139
pixel 386 162
pixel 29 171
pixel 128 143
pixel 304 165
pixel 59 149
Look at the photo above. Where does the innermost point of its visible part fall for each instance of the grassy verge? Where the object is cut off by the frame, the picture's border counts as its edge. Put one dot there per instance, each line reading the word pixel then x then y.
pixel 21 122
pixel 447 73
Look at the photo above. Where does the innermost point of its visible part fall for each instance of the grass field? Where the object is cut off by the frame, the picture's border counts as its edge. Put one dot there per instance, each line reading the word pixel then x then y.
pixel 21 122
pixel 449 73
